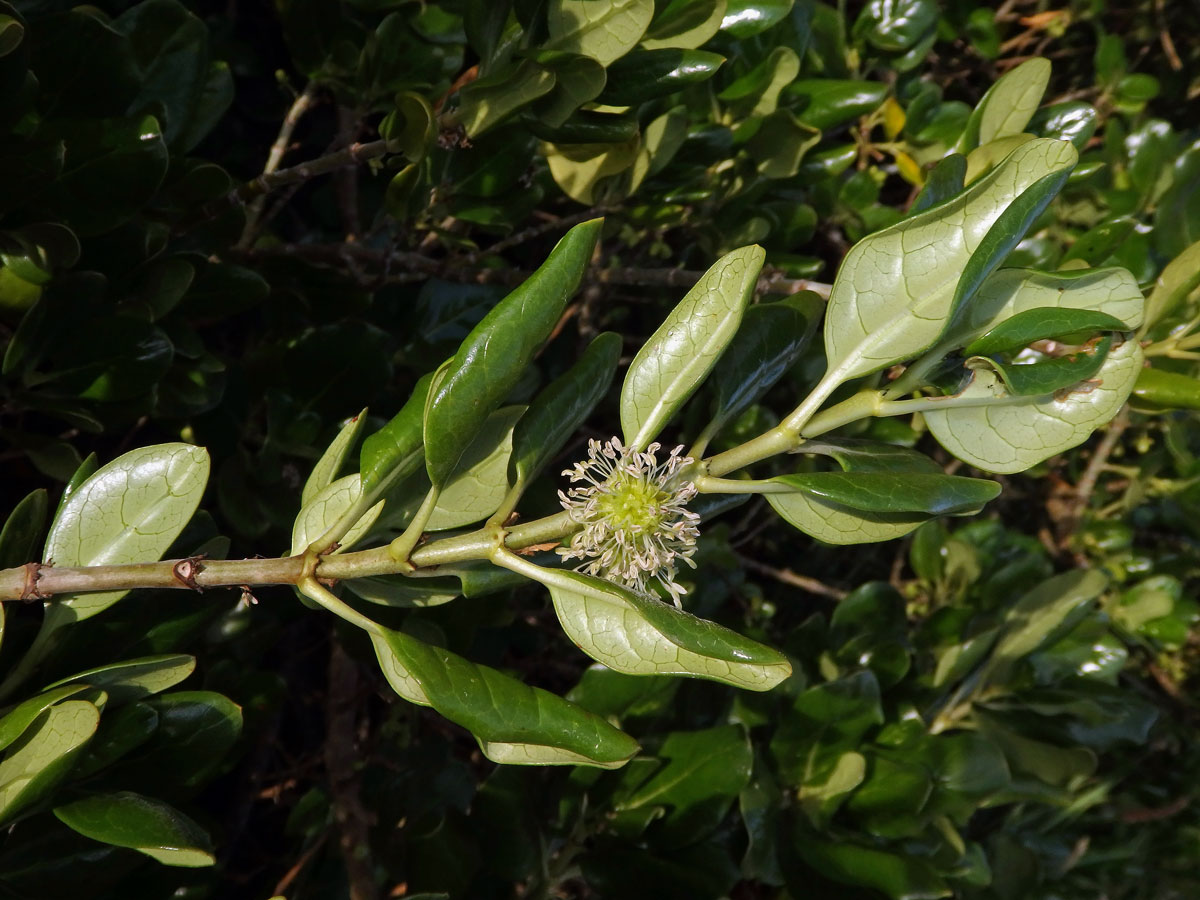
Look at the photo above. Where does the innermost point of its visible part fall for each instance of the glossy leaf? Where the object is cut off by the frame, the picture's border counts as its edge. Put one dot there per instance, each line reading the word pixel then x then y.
pixel 332 459
pixel 878 492
pixel 130 510
pixel 1002 433
pixel 562 407
pixel 514 723
pixel 1098 243
pixel 768 343
pixel 395 450
pixel 675 359
pixel 577 80
pixel 1042 323
pixel 828 103
pixel 498 349
pixel 898 288
pixel 646 74
pixel 43 755
pixel 1156 390
pixel 1013 294
pixel 131 680
pixel 944 181
pixel 476 490
pixel 746 18
pixel 587 172
pixel 898 876
pixel 1048 375
pixel 327 507
pixel 640 635
pixel 701 775
pixel 603 31
pixel 23 530
pixel 126 819
pixel 757 92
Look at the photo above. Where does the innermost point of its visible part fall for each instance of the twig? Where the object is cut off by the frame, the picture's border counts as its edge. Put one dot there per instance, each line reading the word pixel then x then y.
pixel 1164 36
pixel 535 231
pixel 354 155
pixel 275 156
pixel 787 576
pixel 1087 483
pixel 418 267
pixel 346 180
pixel 341 758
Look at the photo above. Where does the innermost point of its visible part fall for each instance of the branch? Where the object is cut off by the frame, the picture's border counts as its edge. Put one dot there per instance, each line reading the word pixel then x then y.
pixel 421 267
pixel 284 139
pixel 354 155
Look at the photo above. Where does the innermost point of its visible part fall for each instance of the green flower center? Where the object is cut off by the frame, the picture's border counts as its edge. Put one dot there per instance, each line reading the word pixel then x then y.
pixel 633 505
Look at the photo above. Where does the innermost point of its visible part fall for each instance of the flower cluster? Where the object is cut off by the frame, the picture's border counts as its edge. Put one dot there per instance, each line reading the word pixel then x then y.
pixel 634 514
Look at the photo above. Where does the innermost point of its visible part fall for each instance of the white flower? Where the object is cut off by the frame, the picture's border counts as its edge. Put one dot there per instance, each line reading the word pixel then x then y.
pixel 634 514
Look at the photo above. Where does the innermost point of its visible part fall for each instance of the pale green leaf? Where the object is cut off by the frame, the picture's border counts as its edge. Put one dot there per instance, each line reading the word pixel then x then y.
pixel 986 427
pixel 897 289
pixel 489 101
pixel 605 31
pixel 24 714
pixel 640 635
pixel 984 158
pixel 757 92
pixel 396 590
pixel 1177 282
pixel 1008 105
pixel 685 25
pixel 129 511
pixel 44 754
pixel 675 360
pixel 836 524
pixel 126 819
pixel 329 505
pixel 480 482
pixel 333 458
pixel 133 679
pixel 584 171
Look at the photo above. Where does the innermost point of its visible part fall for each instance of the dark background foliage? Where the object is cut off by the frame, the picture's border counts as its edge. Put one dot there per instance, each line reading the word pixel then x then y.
pixel 152 291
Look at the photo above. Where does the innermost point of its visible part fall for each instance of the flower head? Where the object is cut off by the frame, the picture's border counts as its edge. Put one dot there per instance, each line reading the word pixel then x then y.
pixel 634 514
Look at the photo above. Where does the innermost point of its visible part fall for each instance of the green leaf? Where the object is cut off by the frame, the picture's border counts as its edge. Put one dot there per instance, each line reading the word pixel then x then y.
pixel 12 33
pixel 1008 105
pixel 129 511
pixel 878 492
pixel 42 757
pixel 399 591
pixel 411 125
pixel 1174 286
pixel 19 718
pixel 986 426
pixel 131 680
pixel 495 354
pixel 1042 616
pixel 647 74
pixel 489 101
pixel 1156 390
pixel 604 31
pixel 701 775
pixel 780 144
pixel 900 877
pixel 685 24
pixel 1040 324
pixel 944 181
pixel 1015 295
pixel 333 458
pixel 746 18
pixel 562 407
pixel 121 731
pixel 1047 375
pixel 1098 244
pixel 768 343
pixel 577 80
pixel 396 449
pixel 23 529
pixel 587 172
pixel 195 731
pixel 898 288
pixel 126 819
pixel 675 359
pixel 479 486
pixel 514 723
pixel 757 92
pixel 327 507
pixel 829 103
pixel 640 635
